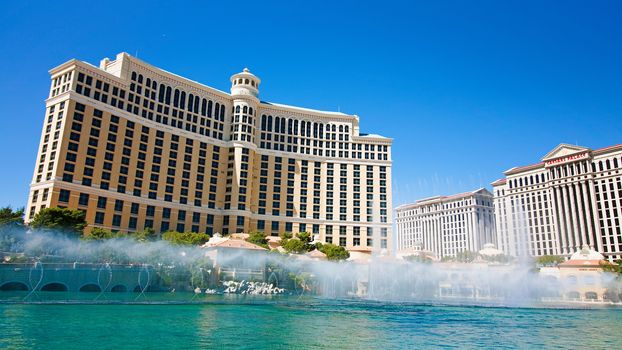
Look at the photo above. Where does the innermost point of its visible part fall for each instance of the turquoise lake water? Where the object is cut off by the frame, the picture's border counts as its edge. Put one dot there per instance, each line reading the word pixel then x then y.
pixel 309 323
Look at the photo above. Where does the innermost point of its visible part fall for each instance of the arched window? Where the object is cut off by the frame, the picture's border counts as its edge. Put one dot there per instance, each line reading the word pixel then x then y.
pixel 321 130
pixel 190 102
pixel 222 114
pixel 245 110
pixel 541 177
pixel 608 164
pixel 302 128
pixel 295 126
pixel 196 104
pixel 283 125
pixel 615 162
pixel 340 128
pixel 308 129
pixel 134 76
pixel 140 78
pixel 263 122
pixel 148 82
pixel 245 81
pixel 277 124
pixel 269 123
pixel 176 99
pixel 154 85
pixel 237 109
pixel 315 130
pixel 347 129
pixel 182 99
pixel 600 165
pixel 250 110
pixel 168 95
pixel 217 110
pixel 204 107
pixel 209 108
pixel 290 126
pixel 161 93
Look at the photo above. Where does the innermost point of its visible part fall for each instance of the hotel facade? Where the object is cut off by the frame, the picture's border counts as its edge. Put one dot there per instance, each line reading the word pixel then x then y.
pixel 572 198
pixel 446 225
pixel 135 146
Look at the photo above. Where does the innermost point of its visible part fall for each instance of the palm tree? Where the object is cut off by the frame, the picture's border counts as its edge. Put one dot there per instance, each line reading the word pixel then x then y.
pixel 9 216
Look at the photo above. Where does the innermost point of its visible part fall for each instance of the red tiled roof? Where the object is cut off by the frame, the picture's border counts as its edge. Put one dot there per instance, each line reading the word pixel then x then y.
pixel 316 254
pixel 500 182
pixel 606 148
pixel 237 244
pixel 584 263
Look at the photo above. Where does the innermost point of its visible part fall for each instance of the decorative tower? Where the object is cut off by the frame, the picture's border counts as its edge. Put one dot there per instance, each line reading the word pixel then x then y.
pixel 239 194
pixel 245 91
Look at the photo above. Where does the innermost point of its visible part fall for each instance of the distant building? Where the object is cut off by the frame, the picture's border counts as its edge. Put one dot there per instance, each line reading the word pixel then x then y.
pixel 581 278
pixel 447 225
pixel 573 197
pixel 135 146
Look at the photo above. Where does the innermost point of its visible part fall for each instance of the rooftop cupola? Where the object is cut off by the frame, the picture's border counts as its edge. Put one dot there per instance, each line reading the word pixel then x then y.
pixel 245 83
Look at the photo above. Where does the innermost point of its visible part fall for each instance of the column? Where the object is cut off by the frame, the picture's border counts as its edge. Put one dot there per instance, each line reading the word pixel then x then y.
pixel 581 206
pixel 599 236
pixel 567 234
pixel 588 214
pixel 573 206
pixel 559 215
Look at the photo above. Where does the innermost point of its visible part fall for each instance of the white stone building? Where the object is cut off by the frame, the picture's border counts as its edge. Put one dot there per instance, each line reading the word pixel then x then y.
pixel 447 225
pixel 136 147
pixel 573 197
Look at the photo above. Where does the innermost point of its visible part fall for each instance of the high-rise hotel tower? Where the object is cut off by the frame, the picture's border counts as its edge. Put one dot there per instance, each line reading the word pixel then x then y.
pixel 572 198
pixel 136 146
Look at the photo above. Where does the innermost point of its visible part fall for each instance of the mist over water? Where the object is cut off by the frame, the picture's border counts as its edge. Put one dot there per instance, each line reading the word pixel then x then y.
pixel 379 279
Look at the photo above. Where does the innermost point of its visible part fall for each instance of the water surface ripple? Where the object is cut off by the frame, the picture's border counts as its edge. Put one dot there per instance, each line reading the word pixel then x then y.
pixel 303 324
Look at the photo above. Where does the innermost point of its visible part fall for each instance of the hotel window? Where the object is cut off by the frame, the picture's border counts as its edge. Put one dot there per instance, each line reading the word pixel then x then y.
pixel 99 218
pixel 116 220
pixel 64 196
pixel 83 199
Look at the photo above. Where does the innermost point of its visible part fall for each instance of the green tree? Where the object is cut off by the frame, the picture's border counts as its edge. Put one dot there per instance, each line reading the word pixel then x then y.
pixel 304 237
pixel 148 234
pixel 98 233
pixel 419 258
pixel 466 256
pixel 10 216
pixel 294 245
pixel 549 260
pixel 333 252
pixel 259 238
pixel 185 238
pixel 615 267
pixel 63 220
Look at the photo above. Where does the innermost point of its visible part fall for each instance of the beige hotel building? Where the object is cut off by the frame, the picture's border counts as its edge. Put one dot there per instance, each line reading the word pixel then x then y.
pixel 572 198
pixel 135 146
pixel 446 225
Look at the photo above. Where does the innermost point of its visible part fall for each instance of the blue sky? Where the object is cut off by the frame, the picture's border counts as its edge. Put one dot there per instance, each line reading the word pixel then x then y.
pixel 467 89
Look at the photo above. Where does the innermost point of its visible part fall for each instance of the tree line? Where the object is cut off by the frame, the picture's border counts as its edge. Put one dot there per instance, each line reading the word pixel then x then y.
pixel 73 223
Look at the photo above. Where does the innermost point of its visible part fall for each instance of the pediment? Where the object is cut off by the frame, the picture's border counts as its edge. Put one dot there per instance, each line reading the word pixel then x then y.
pixel 564 150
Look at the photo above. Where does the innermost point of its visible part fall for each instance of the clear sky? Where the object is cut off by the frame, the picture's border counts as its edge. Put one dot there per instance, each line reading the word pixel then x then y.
pixel 467 89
